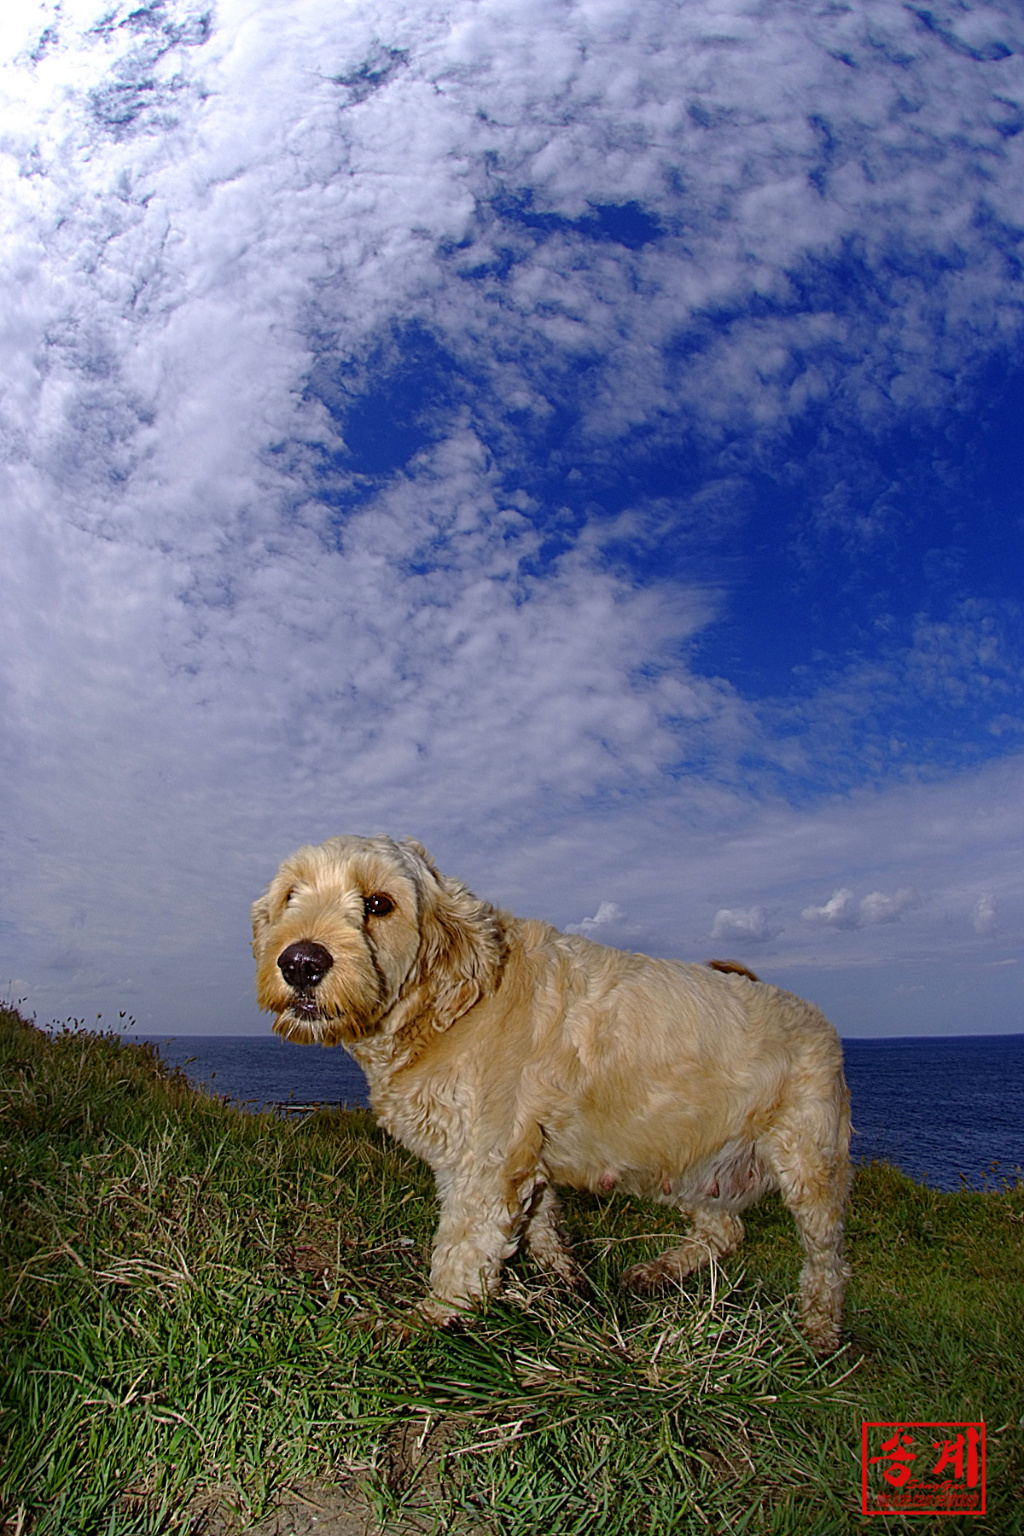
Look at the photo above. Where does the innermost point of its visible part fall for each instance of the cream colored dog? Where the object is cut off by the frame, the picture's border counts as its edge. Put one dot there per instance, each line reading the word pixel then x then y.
pixel 513 1058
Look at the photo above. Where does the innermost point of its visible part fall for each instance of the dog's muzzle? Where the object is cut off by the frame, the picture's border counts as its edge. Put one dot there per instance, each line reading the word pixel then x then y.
pixel 304 965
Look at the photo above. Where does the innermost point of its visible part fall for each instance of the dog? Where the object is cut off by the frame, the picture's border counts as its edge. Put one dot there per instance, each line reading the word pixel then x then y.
pixel 514 1058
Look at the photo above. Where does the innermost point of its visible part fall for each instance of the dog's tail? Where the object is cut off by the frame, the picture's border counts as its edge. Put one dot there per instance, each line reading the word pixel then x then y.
pixel 732 968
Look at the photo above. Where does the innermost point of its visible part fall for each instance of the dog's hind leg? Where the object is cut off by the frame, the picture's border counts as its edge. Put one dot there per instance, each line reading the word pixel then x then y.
pixel 810 1157
pixel 732 1181
pixel 713 1234
pixel 545 1241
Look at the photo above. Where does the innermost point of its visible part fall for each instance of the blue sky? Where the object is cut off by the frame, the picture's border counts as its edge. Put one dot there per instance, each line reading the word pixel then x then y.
pixel 584 436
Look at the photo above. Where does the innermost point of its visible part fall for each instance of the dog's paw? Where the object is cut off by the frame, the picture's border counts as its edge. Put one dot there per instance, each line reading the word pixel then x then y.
pixel 674 1265
pixel 432 1312
pixel 642 1279
pixel 823 1341
pixel 562 1270
pixel 648 1279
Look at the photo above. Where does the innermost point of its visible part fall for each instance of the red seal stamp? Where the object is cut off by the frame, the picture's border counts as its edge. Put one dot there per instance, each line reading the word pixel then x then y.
pixel 923 1469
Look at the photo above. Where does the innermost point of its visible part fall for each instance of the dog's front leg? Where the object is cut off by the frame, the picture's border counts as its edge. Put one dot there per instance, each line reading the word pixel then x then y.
pixel 546 1242
pixel 482 1220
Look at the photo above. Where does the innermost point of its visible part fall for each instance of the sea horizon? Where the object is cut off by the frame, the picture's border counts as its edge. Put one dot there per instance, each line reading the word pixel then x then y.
pixel 946 1109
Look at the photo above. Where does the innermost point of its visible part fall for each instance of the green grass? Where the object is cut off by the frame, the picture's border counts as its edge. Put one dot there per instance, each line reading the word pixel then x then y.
pixel 188 1297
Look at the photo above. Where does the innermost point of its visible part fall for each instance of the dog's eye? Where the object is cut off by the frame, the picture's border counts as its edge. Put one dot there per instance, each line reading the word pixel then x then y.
pixel 378 905
pixel 289 893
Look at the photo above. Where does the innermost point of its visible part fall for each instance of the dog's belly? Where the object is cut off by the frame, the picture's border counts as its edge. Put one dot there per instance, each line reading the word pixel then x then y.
pixel 683 1161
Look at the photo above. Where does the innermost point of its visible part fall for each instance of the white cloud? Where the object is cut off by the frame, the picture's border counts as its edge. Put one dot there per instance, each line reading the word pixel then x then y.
pixel 309 176
pixel 609 917
pixel 219 638
pixel 749 925
pixel 877 908
pixel 842 910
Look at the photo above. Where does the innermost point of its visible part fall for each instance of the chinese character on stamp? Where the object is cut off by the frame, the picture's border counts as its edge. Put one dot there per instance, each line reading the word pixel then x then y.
pixel 923 1469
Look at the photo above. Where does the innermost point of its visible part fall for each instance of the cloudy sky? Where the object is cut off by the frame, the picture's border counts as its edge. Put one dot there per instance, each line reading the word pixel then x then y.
pixel 586 435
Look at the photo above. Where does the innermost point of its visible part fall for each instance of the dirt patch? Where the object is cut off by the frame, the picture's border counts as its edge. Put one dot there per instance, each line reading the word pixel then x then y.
pixel 307 1509
pixel 412 1470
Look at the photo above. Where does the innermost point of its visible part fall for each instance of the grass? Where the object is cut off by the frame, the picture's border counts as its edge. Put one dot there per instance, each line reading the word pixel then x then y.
pixel 188 1300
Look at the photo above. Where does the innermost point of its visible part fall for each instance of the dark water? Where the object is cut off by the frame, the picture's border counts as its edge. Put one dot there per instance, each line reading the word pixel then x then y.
pixel 938 1108
pixel 263 1070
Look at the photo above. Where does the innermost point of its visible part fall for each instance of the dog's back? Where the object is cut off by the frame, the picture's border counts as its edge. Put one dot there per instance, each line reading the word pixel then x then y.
pixel 652 1065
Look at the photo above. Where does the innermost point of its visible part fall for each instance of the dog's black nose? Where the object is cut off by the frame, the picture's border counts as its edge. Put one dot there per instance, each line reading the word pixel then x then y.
pixel 305 964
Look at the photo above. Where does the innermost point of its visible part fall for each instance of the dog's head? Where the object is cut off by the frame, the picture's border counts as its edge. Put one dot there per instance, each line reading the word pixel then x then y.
pixel 346 928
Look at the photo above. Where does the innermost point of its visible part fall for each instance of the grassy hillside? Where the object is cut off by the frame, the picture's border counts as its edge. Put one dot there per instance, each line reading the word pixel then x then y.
pixel 190 1301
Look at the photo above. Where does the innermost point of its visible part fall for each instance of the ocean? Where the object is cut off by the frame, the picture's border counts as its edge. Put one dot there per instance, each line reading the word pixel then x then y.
pixel 947 1110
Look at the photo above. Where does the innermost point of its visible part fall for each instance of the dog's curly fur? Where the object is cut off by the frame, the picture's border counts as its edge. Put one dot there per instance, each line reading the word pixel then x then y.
pixel 514 1058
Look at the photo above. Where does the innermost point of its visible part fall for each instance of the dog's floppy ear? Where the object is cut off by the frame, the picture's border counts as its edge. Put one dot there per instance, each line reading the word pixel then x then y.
pixel 462 941
pixel 260 914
